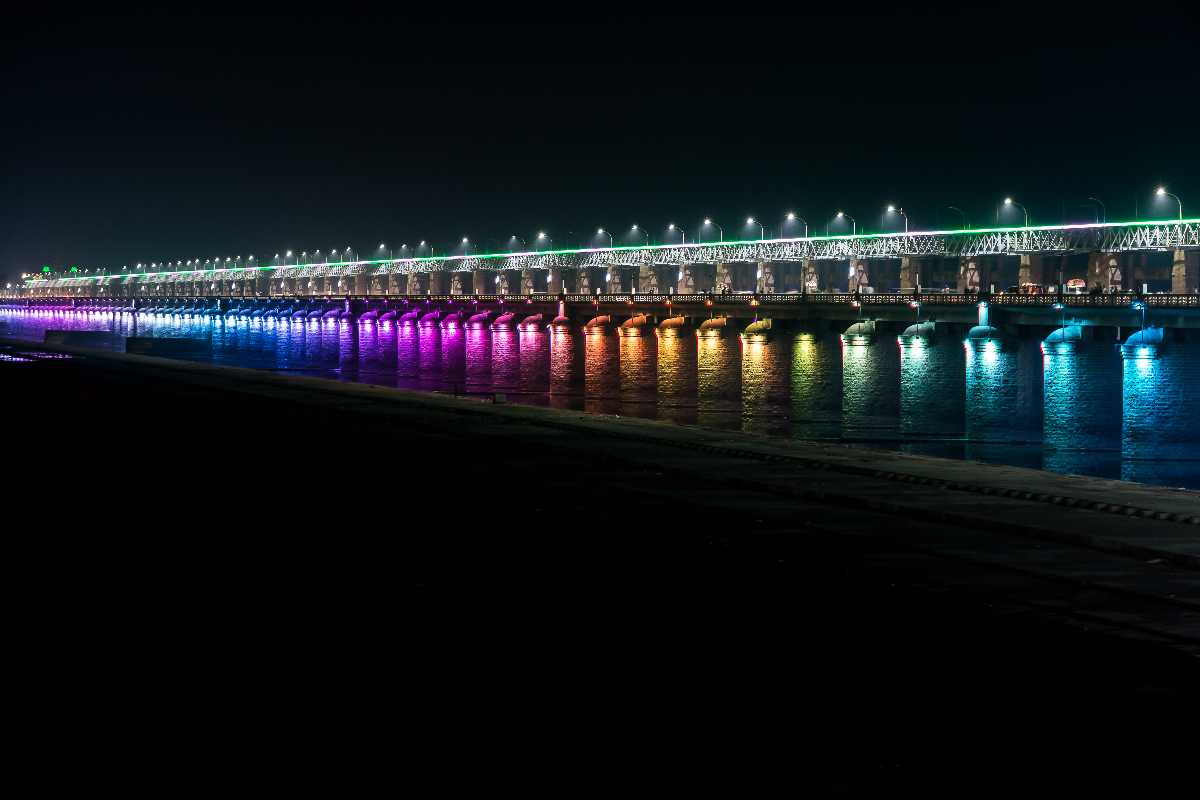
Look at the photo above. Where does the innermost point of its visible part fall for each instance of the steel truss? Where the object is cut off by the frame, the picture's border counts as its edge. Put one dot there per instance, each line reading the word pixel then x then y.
pixel 1108 238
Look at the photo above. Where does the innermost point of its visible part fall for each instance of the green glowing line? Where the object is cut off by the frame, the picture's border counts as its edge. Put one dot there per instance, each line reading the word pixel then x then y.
pixel 631 248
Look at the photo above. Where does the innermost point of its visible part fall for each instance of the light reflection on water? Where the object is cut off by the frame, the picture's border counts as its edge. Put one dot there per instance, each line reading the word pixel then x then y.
pixel 1102 415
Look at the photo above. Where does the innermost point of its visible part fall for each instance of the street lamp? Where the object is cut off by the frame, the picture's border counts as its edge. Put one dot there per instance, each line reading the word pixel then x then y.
pixel 682 232
pixel 383 247
pixel 515 238
pixel 720 230
pixel 762 230
pixel 1162 192
pixel 791 217
pixel 643 232
pixel 602 232
pixel 1008 201
pixel 853 222
pixel 544 239
pixel 1103 210
pixel 900 211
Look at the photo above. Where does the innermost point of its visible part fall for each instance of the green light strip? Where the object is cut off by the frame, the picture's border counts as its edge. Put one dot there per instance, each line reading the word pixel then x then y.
pixel 623 249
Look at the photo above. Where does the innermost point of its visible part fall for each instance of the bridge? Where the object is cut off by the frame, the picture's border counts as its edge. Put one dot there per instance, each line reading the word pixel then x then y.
pixel 965 260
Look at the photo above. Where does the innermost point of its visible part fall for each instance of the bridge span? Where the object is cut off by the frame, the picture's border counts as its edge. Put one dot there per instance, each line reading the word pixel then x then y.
pixel 1110 256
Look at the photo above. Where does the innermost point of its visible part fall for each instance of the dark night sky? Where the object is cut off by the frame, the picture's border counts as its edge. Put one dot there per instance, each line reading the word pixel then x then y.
pixel 140 139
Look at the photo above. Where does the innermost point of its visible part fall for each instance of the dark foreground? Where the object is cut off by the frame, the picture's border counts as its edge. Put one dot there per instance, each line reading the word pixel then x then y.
pixel 584 603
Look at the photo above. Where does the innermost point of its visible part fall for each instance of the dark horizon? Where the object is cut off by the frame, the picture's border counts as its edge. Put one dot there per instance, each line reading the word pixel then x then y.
pixel 151 138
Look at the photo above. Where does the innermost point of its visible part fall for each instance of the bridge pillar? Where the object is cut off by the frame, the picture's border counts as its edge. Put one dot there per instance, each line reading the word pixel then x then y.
pixel 584 284
pixel 765 278
pixel 529 282
pixel 910 272
pixel 362 283
pixel 647 282
pixel 612 280
pixel 456 282
pixel 418 283
pixel 686 279
pixel 1031 270
pixel 810 278
pixel 724 279
pixel 970 275
pixel 1104 270
pixel 859 275
pixel 502 286
pixel 1185 272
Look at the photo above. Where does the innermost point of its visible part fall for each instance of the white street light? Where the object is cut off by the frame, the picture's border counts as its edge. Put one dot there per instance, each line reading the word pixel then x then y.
pixel 900 211
pixel 682 232
pixel 708 222
pixel 1008 201
pixel 791 217
pixel 853 222
pixel 1162 192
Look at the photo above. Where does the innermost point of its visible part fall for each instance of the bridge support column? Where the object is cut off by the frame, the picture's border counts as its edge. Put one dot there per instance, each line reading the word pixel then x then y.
pixel 583 281
pixel 556 281
pixel 724 279
pixel 765 278
pixel 695 278
pixel 612 280
pixel 970 276
pixel 418 283
pixel 910 273
pixel 456 282
pixel 859 275
pixel 503 286
pixel 1185 272
pixel 1031 270
pixel 529 282
pixel 1104 270
pixel 647 282
pixel 362 283
pixel 810 278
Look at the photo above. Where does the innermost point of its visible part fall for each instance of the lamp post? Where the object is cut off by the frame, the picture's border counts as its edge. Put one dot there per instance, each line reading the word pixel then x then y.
pixel 1138 305
pixel 682 232
pixel 1162 192
pixel 709 223
pixel 602 232
pixel 853 222
pixel 900 211
pixel 1062 309
pixel 382 248
pixel 791 217
pixel 643 232
pixel 1008 201
pixel 545 240
pixel 762 230
pixel 515 238
pixel 1103 210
